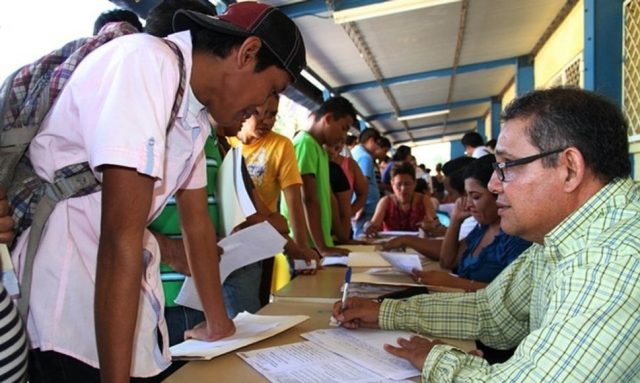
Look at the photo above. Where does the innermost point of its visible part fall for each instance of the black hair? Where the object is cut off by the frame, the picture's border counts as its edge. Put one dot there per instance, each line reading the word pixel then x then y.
pixel 403 168
pixel 339 107
pixel 491 144
pixel 473 139
pixel 384 142
pixel 368 134
pixel 480 169
pixel 116 15
pixel 160 19
pixel 559 118
pixel 402 152
pixel 351 140
pixel 422 186
pixel 454 171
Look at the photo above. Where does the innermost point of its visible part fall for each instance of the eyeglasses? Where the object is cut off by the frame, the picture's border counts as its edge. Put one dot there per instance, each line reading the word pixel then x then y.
pixel 500 167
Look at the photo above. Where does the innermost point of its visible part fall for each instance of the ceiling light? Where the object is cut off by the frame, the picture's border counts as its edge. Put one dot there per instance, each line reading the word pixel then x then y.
pixel 384 8
pixel 313 80
pixel 424 115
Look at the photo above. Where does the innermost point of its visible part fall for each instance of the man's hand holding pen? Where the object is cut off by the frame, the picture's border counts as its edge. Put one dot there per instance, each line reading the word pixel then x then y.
pixel 357 312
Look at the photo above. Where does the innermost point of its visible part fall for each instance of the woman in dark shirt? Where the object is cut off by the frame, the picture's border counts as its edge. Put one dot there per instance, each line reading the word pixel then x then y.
pixel 487 250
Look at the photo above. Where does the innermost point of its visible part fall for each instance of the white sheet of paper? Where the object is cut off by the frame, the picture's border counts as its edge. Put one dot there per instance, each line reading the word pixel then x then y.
pixel 397 233
pixel 306 362
pixel 230 211
pixel 334 261
pixel 244 247
pixel 250 328
pixel 365 347
pixel 246 204
pixel 402 261
pixel 367 259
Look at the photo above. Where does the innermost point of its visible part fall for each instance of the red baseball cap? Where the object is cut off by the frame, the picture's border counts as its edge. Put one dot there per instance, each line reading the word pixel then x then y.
pixel 276 30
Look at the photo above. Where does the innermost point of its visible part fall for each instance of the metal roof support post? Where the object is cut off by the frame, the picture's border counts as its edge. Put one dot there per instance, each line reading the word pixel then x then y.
pixel 457 149
pixel 496 110
pixel 524 75
pixel 603 48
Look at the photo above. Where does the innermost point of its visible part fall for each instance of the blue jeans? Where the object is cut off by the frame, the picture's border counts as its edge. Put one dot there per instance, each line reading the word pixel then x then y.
pixel 180 319
pixel 55 367
pixel 241 290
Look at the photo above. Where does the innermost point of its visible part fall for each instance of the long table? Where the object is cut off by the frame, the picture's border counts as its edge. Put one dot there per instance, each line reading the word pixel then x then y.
pixel 312 295
pixel 230 368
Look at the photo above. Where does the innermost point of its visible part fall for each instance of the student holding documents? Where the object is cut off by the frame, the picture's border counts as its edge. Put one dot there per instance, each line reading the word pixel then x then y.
pixel 569 302
pixel 487 250
pixel 329 125
pixel 271 162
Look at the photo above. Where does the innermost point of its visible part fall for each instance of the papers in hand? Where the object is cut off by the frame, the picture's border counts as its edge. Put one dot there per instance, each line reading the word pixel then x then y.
pixel 250 328
pixel 337 355
pixel 234 202
pixel 241 248
pixel 337 260
pixel 403 261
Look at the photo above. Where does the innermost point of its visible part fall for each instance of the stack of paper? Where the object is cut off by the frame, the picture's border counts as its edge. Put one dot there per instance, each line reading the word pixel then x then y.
pixel 250 329
pixel 334 355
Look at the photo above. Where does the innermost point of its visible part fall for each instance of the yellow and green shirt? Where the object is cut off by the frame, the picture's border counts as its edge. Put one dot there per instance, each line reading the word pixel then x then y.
pixel 571 306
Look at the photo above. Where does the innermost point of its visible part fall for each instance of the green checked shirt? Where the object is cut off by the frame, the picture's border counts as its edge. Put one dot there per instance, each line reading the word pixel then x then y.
pixel 572 305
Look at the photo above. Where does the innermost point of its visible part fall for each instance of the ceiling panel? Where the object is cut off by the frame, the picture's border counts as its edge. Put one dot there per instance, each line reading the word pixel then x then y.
pixel 405 43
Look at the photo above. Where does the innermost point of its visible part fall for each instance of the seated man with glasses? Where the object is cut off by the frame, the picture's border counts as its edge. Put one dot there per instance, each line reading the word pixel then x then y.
pixel 570 302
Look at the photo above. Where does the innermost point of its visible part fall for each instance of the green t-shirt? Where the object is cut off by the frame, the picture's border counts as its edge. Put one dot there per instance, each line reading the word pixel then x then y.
pixel 168 222
pixel 312 159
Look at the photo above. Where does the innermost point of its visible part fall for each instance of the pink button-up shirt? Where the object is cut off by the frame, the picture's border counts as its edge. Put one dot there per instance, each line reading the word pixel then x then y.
pixel 113 111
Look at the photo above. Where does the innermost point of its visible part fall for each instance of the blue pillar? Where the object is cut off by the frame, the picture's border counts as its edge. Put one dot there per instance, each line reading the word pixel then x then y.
pixel 457 149
pixel 524 75
pixel 496 110
pixel 326 94
pixel 603 48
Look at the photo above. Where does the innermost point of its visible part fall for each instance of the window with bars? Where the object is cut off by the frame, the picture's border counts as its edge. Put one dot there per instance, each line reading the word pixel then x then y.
pixel 570 75
pixel 631 66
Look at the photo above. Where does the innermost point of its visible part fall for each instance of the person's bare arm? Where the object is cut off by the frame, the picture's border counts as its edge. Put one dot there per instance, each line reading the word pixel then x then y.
pixel 126 200
pixel 200 243
pixel 360 187
pixel 293 199
pixel 312 212
pixel 430 211
pixel 430 248
pixel 378 216
pixel 452 249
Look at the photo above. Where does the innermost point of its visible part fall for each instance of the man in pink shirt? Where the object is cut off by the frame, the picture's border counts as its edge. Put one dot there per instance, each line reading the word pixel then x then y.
pixel 96 300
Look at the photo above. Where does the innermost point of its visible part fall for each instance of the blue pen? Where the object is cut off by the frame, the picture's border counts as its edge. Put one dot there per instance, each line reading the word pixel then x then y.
pixel 345 291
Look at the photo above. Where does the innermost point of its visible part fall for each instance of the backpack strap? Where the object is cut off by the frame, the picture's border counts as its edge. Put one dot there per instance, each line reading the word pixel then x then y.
pixel 75 181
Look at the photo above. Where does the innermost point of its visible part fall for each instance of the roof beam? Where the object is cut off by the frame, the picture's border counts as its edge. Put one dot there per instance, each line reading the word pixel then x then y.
pixel 431 74
pixel 452 122
pixel 432 137
pixel 304 8
pixel 430 108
